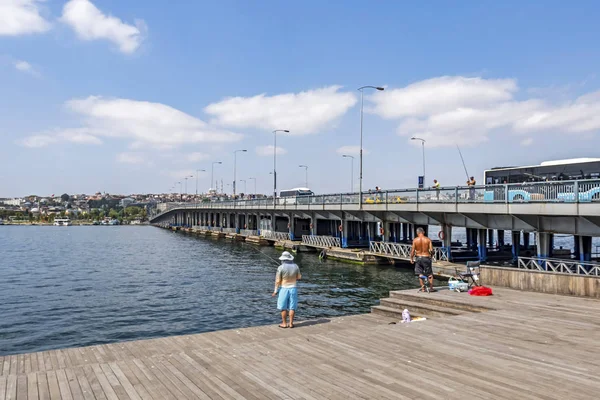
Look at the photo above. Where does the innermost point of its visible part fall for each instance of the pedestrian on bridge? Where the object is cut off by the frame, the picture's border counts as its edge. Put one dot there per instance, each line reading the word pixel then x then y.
pixel 436 186
pixel 287 275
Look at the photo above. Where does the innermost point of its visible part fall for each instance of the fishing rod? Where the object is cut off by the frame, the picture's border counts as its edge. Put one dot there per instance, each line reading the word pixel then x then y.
pixel 260 252
pixel 463 163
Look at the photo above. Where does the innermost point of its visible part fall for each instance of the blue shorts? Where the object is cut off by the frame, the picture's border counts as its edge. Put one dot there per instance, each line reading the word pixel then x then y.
pixel 288 299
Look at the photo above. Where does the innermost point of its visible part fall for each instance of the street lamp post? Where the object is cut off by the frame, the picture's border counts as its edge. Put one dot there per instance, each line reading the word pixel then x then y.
pixel 234 167
pixel 361 139
pixel 254 185
pixel 305 174
pixel 351 171
pixel 275 163
pixel 423 147
pixel 198 170
pixel 186 178
pixel 180 190
pixel 212 173
pixel 245 188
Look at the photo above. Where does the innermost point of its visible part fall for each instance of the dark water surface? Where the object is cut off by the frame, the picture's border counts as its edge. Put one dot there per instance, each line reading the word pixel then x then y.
pixel 77 286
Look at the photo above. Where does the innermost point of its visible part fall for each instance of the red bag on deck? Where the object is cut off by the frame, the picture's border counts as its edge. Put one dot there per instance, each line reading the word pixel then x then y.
pixel 480 291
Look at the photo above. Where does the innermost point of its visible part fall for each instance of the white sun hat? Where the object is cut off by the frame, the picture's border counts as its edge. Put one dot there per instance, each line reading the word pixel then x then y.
pixel 286 256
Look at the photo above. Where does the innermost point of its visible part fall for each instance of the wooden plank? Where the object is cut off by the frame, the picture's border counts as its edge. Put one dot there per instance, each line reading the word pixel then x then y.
pixel 43 389
pixel 32 386
pixel 3 387
pixel 114 381
pixel 107 388
pixel 92 379
pixel 125 383
pixel 86 388
pixel 164 377
pixel 63 384
pixel 76 390
pixel 11 387
pixel 22 386
pixel 53 385
pixel 158 390
pixel 188 387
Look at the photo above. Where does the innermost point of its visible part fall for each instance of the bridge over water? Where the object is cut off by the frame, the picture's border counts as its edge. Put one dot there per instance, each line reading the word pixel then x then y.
pixel 353 219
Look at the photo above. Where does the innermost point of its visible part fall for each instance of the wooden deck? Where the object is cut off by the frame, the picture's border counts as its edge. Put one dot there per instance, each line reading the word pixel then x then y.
pixel 530 346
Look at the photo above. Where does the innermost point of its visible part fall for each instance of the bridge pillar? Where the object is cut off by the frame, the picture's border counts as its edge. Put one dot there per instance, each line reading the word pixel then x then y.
pixel 344 238
pixel 404 227
pixel 387 231
pixel 516 245
pixel 313 224
pixel 469 237
pixel 526 240
pixel 482 248
pixel 291 226
pixel 447 241
pixel 500 238
pixel 490 238
pixel 585 248
pixel 544 244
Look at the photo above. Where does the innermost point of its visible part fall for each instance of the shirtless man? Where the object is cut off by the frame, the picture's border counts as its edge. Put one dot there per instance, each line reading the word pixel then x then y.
pixel 423 249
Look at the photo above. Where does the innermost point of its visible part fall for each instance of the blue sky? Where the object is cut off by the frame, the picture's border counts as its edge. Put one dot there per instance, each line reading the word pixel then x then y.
pixel 131 96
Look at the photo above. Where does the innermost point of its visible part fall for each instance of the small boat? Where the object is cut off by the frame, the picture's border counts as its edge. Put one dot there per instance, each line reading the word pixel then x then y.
pixel 113 222
pixel 62 222
pixel 96 223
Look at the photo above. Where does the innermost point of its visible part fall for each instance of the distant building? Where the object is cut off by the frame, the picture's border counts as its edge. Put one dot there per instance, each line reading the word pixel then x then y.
pixel 126 202
pixel 12 202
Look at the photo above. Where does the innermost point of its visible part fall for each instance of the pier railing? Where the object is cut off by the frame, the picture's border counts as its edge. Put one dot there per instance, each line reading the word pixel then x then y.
pixel 403 250
pixel 229 230
pixel 559 266
pixel 321 241
pixel 275 235
pixel 248 232
pixel 581 191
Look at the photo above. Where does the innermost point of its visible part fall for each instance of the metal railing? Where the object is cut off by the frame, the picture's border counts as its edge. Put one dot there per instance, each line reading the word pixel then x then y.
pixel 582 191
pixel 403 250
pixel 248 232
pixel 559 266
pixel 275 235
pixel 321 241
pixel 228 230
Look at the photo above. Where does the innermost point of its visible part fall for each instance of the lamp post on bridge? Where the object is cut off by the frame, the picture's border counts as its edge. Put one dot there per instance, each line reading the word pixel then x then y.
pixel 186 178
pixel 245 188
pixel 423 147
pixel 305 174
pixel 198 170
pixel 180 190
pixel 234 168
pixel 254 185
pixel 351 171
pixel 275 163
pixel 361 139
pixel 212 173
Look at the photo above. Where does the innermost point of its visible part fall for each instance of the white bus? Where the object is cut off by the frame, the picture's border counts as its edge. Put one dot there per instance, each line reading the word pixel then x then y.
pixel 293 196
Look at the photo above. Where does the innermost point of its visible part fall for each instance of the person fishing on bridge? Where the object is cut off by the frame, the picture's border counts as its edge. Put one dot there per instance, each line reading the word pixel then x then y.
pixel 423 249
pixel 436 186
pixel 471 184
pixel 287 275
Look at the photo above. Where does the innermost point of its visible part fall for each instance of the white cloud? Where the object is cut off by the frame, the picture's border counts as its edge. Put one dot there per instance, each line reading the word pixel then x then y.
pixel 301 113
pixel 438 95
pixel 351 150
pixel 20 17
pixel 197 156
pixel 80 136
pixel 24 66
pixel 38 141
pixel 130 158
pixel 153 124
pixel 147 125
pixel 89 23
pixel 268 150
pixel 527 142
pixel 455 110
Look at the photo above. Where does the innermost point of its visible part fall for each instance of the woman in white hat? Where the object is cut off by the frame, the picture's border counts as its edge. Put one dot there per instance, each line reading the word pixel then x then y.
pixel 287 275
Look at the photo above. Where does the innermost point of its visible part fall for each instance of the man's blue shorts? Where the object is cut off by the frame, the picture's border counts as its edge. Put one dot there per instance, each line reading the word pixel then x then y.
pixel 288 299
